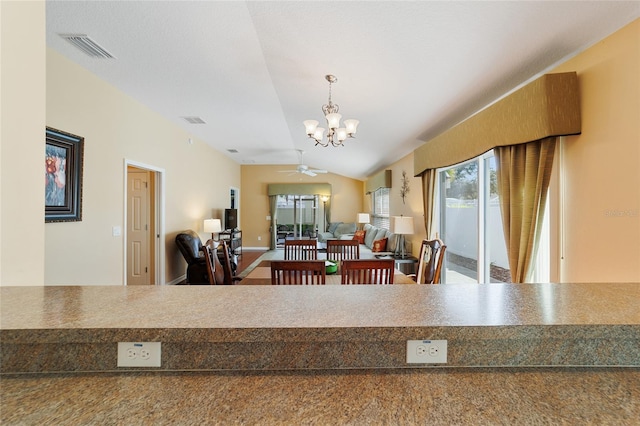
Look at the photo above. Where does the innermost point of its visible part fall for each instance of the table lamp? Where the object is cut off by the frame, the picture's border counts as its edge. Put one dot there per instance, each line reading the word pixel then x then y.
pixel 363 218
pixel 401 226
pixel 214 226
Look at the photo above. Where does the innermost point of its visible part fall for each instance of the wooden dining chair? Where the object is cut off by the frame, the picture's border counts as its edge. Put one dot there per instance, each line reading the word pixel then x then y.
pixel 430 262
pixel 218 263
pixel 209 262
pixel 343 250
pixel 298 272
pixel 300 249
pixel 367 271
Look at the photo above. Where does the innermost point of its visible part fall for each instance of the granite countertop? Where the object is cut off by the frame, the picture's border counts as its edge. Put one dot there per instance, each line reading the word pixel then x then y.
pixel 229 307
pixel 355 397
pixel 322 355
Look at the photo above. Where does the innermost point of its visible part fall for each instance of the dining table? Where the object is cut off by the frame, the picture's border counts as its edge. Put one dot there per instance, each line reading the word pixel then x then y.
pixel 261 275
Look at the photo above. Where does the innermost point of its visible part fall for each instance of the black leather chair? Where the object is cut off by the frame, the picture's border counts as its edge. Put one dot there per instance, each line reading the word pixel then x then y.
pixel 189 244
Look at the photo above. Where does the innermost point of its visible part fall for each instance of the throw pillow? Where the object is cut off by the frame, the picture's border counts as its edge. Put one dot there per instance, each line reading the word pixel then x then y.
pixel 359 235
pixel 379 245
pixel 333 226
pixel 370 237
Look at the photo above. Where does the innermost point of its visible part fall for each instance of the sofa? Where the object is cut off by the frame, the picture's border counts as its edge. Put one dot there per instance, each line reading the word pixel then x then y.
pixel 347 231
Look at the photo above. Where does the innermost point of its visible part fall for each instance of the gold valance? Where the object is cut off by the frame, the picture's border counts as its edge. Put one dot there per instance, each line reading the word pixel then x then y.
pixel 548 106
pixel 379 180
pixel 299 189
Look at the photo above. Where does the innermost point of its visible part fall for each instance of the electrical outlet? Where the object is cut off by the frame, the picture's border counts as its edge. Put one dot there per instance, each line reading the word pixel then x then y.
pixel 426 351
pixel 139 354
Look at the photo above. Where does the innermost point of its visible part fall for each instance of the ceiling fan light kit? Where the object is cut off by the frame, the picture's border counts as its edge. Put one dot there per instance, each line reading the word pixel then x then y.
pixel 336 134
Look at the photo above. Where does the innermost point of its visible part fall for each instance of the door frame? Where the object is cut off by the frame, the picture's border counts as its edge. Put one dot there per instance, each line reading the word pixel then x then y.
pixel 159 231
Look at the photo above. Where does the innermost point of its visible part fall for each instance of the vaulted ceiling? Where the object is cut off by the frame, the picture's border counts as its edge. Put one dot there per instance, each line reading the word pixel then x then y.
pixel 253 71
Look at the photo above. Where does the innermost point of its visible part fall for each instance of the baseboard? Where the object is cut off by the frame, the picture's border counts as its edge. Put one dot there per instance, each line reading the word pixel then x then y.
pixel 255 248
pixel 178 280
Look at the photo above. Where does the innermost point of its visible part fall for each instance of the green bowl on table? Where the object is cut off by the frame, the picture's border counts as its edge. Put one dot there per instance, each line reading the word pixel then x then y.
pixel 331 267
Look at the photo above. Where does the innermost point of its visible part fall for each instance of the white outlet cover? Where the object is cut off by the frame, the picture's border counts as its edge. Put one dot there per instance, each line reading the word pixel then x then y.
pixel 426 351
pixel 139 354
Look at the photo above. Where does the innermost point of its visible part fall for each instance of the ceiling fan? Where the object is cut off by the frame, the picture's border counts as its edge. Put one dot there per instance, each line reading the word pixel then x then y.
pixel 303 168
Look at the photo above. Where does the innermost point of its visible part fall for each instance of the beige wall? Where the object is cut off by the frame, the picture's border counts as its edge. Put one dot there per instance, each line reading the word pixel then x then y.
pixel 115 128
pixel 412 205
pixel 22 88
pixel 254 202
pixel 601 240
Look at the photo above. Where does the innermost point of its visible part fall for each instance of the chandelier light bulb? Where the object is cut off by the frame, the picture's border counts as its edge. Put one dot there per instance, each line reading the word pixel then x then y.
pixel 341 133
pixel 333 120
pixel 352 126
pixel 311 126
pixel 335 134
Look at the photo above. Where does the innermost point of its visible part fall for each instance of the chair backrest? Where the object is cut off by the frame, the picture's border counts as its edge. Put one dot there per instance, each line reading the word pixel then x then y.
pixel 225 263
pixel 367 271
pixel 343 250
pixel 209 257
pixel 430 261
pixel 300 272
pixel 189 244
pixel 301 250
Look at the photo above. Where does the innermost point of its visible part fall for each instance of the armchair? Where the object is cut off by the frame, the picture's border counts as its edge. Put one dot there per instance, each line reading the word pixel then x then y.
pixel 189 244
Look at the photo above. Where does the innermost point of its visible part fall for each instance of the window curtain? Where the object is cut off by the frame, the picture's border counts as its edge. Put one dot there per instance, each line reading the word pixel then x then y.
pixel 273 211
pixel 327 214
pixel 524 172
pixel 429 178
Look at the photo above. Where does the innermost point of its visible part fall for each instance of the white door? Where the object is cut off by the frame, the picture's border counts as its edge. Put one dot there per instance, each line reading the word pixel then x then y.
pixel 138 228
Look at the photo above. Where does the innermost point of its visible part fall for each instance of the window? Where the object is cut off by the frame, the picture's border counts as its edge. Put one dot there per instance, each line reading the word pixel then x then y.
pixel 299 213
pixel 380 203
pixel 471 225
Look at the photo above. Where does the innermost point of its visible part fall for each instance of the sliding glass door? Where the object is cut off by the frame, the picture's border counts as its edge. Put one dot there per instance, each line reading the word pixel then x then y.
pixel 299 216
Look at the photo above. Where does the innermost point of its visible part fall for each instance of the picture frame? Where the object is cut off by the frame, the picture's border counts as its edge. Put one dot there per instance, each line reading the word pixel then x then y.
pixel 64 157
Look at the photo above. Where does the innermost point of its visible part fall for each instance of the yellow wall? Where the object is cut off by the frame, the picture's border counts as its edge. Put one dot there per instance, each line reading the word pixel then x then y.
pixel 602 165
pixel 115 128
pixel 346 201
pixel 601 170
pixel 22 88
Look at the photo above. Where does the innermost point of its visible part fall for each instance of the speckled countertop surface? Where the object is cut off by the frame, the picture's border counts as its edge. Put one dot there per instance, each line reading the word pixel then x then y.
pixel 356 397
pixel 328 355
pixel 317 306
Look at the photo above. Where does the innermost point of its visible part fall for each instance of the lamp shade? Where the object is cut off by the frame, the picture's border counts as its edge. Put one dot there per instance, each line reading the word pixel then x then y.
pixel 351 125
pixel 310 126
pixel 402 225
pixel 212 225
pixel 363 218
pixel 333 120
pixel 318 134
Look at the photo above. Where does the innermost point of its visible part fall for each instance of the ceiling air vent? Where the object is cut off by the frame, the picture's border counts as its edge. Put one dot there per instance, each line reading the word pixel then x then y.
pixel 194 120
pixel 88 46
pixel 233 151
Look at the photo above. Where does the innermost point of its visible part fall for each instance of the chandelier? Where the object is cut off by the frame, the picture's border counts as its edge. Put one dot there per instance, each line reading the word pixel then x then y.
pixel 336 134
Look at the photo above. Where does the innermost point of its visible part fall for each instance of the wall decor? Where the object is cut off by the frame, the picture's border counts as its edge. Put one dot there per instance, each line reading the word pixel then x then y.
pixel 404 188
pixel 63 176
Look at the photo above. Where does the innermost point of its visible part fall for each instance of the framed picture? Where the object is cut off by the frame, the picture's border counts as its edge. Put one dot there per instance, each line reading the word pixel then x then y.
pixel 63 176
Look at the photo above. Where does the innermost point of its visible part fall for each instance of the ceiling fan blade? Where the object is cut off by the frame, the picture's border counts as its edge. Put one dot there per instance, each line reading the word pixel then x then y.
pixel 309 172
pixel 319 171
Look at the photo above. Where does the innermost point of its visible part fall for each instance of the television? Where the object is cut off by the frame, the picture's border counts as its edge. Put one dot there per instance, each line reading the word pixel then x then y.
pixel 230 218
